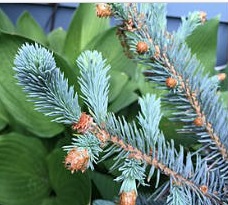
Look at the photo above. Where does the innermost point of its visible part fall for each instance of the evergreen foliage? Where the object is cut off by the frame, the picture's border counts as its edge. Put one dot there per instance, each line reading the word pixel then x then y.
pixel 140 145
pixel 193 94
pixel 45 84
pixel 89 142
pixel 94 83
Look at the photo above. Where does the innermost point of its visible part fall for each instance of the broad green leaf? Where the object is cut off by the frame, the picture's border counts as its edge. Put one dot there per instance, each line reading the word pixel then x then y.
pixel 28 27
pixel 70 72
pixel 56 40
pixel 3 118
pixel 102 202
pixel 117 81
pixel 109 45
pixel 50 201
pixel 23 171
pixel 21 113
pixel 125 98
pixel 2 124
pixel 169 128
pixel 5 22
pixel 106 185
pixel 25 177
pixel 203 43
pixel 70 189
pixel 3 112
pixel 84 26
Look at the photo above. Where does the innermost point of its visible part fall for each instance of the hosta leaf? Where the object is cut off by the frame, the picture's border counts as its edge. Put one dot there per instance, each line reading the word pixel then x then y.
pixel 109 45
pixel 23 170
pixel 70 189
pixel 169 128
pixel 126 97
pixel 56 40
pixel 28 27
pixel 2 124
pixel 84 26
pixel 203 43
pixel 117 81
pixel 5 22
pixel 105 184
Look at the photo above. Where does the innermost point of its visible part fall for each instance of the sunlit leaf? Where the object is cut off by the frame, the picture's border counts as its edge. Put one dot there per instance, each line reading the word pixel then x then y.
pixel 28 27
pixel 84 26
pixel 5 22
pixel 56 40
pixel 203 42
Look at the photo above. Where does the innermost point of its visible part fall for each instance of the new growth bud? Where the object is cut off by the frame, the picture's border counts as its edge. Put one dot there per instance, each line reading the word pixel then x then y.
pixel 142 47
pixel 103 10
pixel 198 122
pixel 171 82
pixel 204 189
pixel 203 16
pixel 83 124
pixel 77 159
pixel 128 198
pixel 222 76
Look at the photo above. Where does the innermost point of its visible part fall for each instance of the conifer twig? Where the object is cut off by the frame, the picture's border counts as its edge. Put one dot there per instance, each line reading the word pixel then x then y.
pixel 134 153
pixel 177 70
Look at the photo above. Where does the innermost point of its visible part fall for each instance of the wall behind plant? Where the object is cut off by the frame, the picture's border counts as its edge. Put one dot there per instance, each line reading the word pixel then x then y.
pixel 53 15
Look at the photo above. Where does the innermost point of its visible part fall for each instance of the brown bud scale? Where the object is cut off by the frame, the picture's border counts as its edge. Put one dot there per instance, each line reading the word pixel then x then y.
pixel 77 159
pixel 83 124
pixel 203 16
pixel 103 10
pixel 222 76
pixel 204 189
pixel 128 198
pixel 142 47
pixel 171 82
pixel 198 122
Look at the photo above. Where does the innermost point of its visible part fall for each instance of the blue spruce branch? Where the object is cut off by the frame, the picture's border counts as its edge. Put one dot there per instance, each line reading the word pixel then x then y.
pixel 45 84
pixel 176 70
pixel 94 83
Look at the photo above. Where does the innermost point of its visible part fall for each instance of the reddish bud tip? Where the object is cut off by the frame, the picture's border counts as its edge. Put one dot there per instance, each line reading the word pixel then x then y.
pixel 198 122
pixel 77 159
pixel 222 76
pixel 171 82
pixel 142 47
pixel 103 10
pixel 128 198
pixel 203 16
pixel 83 124
pixel 204 189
